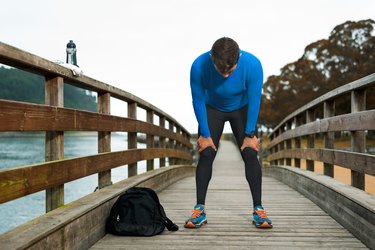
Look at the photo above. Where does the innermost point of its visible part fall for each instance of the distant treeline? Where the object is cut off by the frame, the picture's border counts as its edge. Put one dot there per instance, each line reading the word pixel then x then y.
pixel 19 85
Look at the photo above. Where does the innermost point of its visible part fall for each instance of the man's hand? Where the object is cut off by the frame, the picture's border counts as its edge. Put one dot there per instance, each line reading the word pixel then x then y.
pixel 204 143
pixel 251 142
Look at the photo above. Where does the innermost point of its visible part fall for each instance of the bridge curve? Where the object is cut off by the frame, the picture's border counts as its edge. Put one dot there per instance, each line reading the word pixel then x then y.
pixel 80 224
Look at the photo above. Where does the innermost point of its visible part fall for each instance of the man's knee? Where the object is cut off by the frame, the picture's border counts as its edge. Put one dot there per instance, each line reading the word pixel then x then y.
pixel 208 153
pixel 249 154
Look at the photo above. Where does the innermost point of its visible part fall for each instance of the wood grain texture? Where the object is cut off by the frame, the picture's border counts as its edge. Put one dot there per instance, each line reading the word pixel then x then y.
pixel 19 116
pixel 20 59
pixel 21 181
pixel 298 223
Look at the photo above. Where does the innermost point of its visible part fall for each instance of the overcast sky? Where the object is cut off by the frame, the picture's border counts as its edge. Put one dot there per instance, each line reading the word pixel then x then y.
pixel 146 47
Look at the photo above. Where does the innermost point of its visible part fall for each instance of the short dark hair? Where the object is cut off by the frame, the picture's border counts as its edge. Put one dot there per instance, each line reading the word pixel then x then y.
pixel 225 53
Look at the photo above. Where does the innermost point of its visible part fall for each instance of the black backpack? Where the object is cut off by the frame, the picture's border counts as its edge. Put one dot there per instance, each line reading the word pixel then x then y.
pixel 138 212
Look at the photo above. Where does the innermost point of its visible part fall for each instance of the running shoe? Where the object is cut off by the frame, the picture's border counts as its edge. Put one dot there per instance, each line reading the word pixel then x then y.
pixel 198 217
pixel 260 218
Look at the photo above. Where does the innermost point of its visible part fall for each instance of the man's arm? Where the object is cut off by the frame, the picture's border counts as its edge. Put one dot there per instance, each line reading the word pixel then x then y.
pixel 254 93
pixel 199 104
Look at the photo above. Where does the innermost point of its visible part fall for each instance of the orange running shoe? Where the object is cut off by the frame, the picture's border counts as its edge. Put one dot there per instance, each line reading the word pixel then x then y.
pixel 198 217
pixel 260 218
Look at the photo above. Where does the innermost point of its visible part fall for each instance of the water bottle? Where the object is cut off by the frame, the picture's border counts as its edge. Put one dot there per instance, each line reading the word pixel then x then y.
pixel 71 53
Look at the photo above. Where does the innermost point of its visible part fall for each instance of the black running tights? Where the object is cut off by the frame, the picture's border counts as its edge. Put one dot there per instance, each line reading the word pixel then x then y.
pixel 253 171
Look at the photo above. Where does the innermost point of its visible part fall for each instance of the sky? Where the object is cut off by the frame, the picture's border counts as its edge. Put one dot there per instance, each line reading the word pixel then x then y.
pixel 146 47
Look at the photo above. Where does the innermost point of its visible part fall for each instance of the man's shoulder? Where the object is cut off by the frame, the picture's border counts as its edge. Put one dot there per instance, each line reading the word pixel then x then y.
pixel 202 59
pixel 249 56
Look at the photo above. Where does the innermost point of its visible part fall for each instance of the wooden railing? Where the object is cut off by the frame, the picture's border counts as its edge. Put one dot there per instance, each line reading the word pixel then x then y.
pixel 173 141
pixel 286 138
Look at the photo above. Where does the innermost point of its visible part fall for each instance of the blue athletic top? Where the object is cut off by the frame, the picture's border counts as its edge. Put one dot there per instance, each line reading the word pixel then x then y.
pixel 242 87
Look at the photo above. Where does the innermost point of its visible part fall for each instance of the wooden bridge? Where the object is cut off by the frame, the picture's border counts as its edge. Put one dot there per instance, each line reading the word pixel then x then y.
pixel 309 210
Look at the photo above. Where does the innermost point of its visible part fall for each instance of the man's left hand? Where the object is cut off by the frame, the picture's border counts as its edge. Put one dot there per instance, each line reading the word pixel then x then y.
pixel 251 142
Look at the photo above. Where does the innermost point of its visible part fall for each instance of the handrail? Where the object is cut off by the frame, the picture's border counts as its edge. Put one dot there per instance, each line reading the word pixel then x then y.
pixel 51 175
pixel 294 127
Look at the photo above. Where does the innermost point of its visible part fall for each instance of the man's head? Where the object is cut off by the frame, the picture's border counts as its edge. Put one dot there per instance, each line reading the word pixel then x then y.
pixel 225 54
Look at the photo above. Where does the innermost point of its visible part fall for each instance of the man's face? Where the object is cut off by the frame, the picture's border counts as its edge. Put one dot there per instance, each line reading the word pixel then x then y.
pixel 227 73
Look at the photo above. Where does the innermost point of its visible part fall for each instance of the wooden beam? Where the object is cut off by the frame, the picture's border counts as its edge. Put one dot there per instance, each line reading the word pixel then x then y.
pixel 132 138
pixel 21 181
pixel 329 137
pixel 104 138
pixel 19 116
pixel 150 139
pixel 310 116
pixel 361 120
pixel 54 147
pixel 359 162
pixel 162 142
pixel 20 59
pixel 358 138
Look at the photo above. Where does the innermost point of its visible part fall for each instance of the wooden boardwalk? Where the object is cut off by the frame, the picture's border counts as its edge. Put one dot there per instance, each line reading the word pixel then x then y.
pixel 298 223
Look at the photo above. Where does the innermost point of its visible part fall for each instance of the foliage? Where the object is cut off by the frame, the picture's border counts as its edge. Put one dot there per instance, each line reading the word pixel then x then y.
pixel 19 85
pixel 347 55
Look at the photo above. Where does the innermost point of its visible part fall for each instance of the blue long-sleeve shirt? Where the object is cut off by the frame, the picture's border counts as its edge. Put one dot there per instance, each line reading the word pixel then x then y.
pixel 242 87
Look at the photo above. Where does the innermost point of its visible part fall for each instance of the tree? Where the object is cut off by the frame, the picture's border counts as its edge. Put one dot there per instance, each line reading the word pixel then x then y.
pixel 347 55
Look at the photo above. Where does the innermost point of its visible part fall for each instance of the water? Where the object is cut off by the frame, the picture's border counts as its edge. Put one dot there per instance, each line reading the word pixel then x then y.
pixel 26 150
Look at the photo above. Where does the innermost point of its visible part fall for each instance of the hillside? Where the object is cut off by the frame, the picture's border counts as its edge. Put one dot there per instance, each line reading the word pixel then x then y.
pixel 19 85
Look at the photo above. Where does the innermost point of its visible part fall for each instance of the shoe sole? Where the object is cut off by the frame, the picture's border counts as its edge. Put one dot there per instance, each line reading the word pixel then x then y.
pixel 263 225
pixel 192 225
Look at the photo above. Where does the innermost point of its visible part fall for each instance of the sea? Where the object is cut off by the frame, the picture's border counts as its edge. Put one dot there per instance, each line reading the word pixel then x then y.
pixel 20 149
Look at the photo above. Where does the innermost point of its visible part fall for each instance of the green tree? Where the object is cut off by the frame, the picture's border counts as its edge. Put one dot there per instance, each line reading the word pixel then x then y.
pixel 23 86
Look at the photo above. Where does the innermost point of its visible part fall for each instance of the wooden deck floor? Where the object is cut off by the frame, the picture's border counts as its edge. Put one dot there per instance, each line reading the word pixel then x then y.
pixel 298 223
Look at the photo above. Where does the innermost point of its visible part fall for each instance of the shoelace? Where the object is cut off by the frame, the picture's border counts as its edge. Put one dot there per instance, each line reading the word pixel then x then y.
pixel 196 213
pixel 261 213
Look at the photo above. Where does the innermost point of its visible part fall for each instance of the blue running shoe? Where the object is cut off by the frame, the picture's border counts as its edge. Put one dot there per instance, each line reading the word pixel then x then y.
pixel 260 218
pixel 198 217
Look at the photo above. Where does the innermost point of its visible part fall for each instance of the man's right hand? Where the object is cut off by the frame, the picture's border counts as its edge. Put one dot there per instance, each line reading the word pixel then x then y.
pixel 204 143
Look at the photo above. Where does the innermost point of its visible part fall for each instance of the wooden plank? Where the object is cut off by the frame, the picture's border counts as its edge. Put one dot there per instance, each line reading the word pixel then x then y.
pixel 81 223
pixel 104 138
pixel 362 120
pixel 297 225
pixel 310 117
pixel 20 59
pixel 150 141
pixel 54 146
pixel 358 138
pixel 365 82
pixel 297 140
pixel 362 163
pixel 21 181
pixel 162 141
pixel 329 137
pixel 132 138
pixel 19 116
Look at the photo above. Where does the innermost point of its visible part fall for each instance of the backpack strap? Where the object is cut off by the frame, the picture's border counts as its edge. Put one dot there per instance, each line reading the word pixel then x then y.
pixel 170 225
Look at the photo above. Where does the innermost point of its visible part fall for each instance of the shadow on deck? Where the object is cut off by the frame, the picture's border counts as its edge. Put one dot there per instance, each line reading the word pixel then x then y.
pixel 298 222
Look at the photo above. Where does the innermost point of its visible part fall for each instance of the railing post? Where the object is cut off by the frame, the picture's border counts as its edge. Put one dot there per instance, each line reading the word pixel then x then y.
pixel 54 147
pixel 178 145
pixel 150 139
pixel 104 138
pixel 329 137
pixel 171 144
pixel 358 138
pixel 162 143
pixel 297 141
pixel 275 149
pixel 310 116
pixel 281 147
pixel 132 138
pixel 288 144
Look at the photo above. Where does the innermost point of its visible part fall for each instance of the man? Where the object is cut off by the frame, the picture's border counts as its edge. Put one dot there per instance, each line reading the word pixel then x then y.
pixel 226 85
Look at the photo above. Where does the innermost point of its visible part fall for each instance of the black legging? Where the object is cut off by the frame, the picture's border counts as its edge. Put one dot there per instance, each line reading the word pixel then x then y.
pixel 253 171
